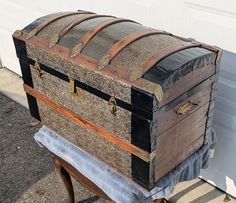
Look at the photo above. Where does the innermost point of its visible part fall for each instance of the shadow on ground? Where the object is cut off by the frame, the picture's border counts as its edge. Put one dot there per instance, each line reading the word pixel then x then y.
pixel 22 161
pixel 199 191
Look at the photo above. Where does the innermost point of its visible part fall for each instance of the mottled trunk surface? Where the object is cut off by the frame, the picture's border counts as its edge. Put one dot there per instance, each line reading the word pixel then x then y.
pixel 151 92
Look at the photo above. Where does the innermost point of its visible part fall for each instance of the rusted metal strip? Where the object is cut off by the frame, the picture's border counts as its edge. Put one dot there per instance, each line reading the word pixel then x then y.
pixel 161 54
pixel 119 142
pixel 90 34
pixel 68 27
pixel 124 42
pixel 51 20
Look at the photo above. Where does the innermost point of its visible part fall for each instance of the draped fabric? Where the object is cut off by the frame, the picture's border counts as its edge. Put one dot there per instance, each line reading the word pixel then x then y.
pixel 117 187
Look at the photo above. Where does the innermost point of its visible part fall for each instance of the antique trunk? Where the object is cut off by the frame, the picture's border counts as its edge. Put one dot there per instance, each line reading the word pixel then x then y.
pixel 139 99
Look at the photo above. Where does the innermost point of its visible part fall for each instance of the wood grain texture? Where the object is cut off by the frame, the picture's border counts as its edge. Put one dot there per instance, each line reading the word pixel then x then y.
pixel 170 118
pixel 175 144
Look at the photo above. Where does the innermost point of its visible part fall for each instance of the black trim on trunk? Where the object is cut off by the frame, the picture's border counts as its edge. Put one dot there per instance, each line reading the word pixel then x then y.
pixel 142 172
pixel 142 100
pixel 26 75
pixel 142 135
pixel 170 69
pixel 33 106
pixel 134 107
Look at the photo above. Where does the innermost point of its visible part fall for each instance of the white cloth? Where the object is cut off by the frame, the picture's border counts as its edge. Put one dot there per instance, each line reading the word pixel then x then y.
pixel 116 186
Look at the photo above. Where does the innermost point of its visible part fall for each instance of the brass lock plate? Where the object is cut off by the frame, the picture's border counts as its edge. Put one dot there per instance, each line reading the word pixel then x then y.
pixel 76 91
pixel 38 69
pixel 112 105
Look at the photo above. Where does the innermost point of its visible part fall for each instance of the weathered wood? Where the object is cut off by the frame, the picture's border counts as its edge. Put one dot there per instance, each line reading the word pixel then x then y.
pixel 170 118
pixel 177 140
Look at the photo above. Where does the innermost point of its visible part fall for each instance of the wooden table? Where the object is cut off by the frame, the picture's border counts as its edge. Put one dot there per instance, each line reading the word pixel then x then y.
pixel 65 170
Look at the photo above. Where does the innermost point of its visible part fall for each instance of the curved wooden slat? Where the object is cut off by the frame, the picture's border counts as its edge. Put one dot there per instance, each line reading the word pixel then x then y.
pixel 51 20
pixel 155 58
pixel 68 27
pixel 124 42
pixel 90 34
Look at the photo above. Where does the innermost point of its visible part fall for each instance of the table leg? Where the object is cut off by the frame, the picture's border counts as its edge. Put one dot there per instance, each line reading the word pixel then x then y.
pixel 65 176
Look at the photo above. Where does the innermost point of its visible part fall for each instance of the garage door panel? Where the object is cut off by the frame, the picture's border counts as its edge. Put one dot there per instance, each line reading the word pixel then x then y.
pixel 203 22
pixel 11 4
pixel 222 7
pixel 7 51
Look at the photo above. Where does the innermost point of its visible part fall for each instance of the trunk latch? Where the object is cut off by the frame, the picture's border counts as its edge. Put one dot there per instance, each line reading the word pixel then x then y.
pixel 75 91
pixel 112 104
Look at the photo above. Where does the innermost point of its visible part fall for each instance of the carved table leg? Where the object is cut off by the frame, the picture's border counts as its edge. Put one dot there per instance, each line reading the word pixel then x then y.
pixel 65 176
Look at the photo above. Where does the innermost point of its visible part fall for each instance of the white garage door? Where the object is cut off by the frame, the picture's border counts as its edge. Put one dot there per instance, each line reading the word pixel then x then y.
pixel 212 21
pixel 16 14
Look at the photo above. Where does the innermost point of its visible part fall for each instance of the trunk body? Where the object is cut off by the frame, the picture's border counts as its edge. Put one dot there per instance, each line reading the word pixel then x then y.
pixel 140 100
